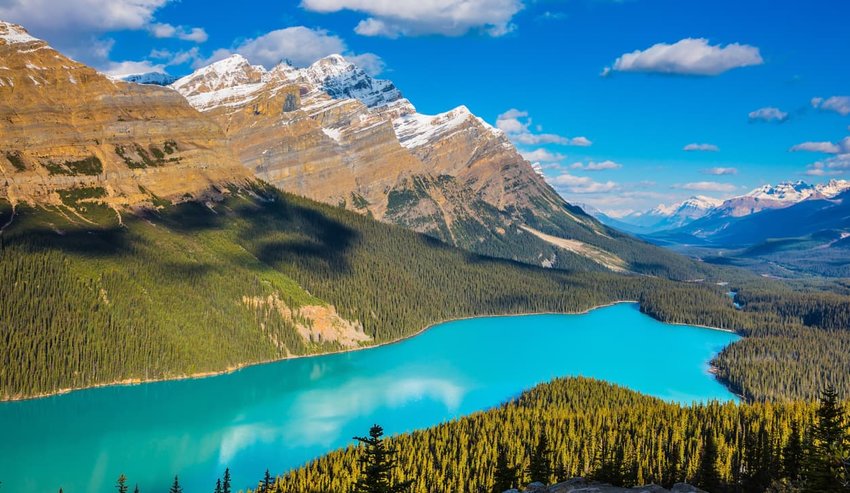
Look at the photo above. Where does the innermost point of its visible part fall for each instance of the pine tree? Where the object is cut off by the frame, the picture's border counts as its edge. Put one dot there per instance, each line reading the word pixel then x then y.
pixel 540 466
pixel 505 476
pixel 121 484
pixel 829 447
pixel 225 483
pixel 792 454
pixel 266 484
pixel 136 489
pixel 175 487
pixel 708 478
pixel 218 486
pixel 377 463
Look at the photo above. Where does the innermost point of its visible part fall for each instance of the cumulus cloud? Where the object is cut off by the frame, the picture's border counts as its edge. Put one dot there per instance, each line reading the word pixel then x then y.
pixel 300 45
pixel 596 166
pixel 517 125
pixel 163 30
pixel 543 156
pixel 720 171
pixel 701 148
pixel 706 186
pixel 690 56
pixel 122 69
pixel 421 17
pixel 768 114
pixel 836 165
pixel 841 147
pixel 838 104
pixel 566 182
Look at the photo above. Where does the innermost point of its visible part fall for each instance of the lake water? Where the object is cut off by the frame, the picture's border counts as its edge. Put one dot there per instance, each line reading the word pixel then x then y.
pixel 280 415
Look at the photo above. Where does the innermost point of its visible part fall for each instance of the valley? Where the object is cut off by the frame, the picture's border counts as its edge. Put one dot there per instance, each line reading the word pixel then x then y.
pixel 239 267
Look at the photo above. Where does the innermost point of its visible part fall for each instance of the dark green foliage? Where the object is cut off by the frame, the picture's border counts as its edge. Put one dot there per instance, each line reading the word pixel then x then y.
pixel 707 476
pixel 792 454
pixel 588 423
pixel 826 471
pixel 175 487
pixel 137 157
pixel 539 462
pixel 225 481
pixel 378 463
pixel 218 488
pixel 90 166
pixel 121 484
pixel 17 160
pixel 169 146
pixel 266 484
pixel 506 476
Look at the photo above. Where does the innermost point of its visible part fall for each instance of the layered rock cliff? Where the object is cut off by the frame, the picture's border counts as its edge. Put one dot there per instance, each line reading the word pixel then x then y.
pixel 64 126
pixel 333 133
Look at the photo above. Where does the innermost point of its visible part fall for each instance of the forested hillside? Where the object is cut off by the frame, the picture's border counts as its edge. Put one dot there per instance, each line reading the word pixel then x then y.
pixel 91 297
pixel 579 427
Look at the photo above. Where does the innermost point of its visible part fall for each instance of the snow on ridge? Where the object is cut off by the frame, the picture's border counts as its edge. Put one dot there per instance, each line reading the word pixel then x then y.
pixel 15 34
pixel 415 129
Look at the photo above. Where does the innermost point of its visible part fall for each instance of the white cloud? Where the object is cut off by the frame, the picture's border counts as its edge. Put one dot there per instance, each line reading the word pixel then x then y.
pixel 421 17
pixel 721 171
pixel 565 182
pixel 838 104
pixel 690 56
pixel 768 114
pixel 543 156
pixel 300 45
pixel 162 30
pixel 835 165
pixel 121 69
pixel 517 125
pixel 706 186
pixel 701 148
pixel 825 147
pixel 596 166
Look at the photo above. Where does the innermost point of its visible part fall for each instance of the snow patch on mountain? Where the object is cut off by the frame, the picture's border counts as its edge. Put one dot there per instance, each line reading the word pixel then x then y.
pixel 415 130
pixel 152 78
pixel 15 34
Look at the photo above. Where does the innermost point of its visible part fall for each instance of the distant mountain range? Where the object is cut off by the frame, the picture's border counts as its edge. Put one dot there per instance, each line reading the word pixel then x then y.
pixel 682 214
pixel 153 78
pixel 788 230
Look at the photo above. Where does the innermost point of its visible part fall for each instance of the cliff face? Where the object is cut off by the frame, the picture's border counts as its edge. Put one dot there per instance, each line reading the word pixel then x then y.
pixel 65 126
pixel 333 133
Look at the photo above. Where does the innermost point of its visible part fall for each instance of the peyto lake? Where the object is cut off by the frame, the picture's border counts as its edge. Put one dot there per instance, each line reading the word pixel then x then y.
pixel 280 415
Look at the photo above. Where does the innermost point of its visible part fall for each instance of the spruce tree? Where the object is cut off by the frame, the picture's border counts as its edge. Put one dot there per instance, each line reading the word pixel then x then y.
pixel 121 484
pixel 826 468
pixel 540 466
pixel 175 487
pixel 377 464
pixel 266 484
pixel 136 489
pixel 218 486
pixel 505 476
pixel 225 483
pixel 792 454
pixel 708 478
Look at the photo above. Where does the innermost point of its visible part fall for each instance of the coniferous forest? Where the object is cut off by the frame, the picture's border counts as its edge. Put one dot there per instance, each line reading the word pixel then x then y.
pixel 91 297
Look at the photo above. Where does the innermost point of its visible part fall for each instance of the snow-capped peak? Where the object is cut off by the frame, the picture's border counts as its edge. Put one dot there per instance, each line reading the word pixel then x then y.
pixel 788 192
pixel 154 78
pixel 341 79
pixel 14 34
pixel 415 129
pixel 833 188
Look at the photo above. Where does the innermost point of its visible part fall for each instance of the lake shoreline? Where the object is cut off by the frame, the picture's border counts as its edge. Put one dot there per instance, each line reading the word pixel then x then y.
pixel 232 369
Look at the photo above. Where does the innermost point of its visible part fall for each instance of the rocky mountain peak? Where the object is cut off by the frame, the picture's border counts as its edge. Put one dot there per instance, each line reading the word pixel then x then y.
pixel 341 79
pixel 14 34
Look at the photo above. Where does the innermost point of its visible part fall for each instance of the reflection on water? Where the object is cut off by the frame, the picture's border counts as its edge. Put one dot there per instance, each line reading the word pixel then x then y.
pixel 281 415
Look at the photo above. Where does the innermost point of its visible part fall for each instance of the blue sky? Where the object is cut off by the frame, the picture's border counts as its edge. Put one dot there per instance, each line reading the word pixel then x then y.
pixel 639 79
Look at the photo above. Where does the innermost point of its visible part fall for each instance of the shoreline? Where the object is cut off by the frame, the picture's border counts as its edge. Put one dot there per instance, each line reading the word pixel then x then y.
pixel 232 369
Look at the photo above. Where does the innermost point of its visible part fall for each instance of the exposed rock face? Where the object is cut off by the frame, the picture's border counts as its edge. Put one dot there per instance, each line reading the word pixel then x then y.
pixel 63 125
pixel 580 485
pixel 332 133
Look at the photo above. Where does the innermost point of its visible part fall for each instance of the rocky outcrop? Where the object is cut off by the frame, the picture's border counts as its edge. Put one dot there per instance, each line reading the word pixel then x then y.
pixel 64 126
pixel 580 485
pixel 333 133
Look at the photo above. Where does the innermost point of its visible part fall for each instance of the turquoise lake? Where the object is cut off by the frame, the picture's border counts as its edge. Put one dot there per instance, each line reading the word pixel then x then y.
pixel 281 415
